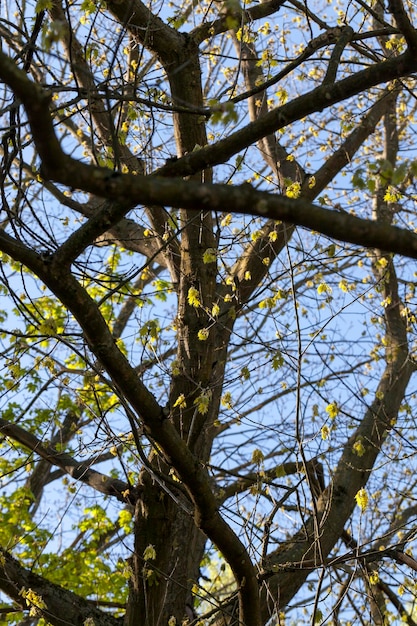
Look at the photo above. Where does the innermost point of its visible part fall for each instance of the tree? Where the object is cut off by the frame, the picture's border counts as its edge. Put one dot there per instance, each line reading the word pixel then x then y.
pixel 207 327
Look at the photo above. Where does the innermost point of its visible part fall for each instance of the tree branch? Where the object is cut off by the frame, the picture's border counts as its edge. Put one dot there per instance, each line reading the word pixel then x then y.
pixel 193 195
pixel 222 24
pixel 148 28
pixel 57 605
pixel 343 155
pixel 78 470
pixel 156 423
pixel 245 200
pixel 314 101
pixel 396 7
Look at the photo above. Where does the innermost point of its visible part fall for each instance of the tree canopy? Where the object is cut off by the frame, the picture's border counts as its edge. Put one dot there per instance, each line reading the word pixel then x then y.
pixel 207 326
